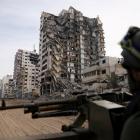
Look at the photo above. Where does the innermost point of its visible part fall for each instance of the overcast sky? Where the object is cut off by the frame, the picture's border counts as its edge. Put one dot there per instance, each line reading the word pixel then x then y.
pixel 20 21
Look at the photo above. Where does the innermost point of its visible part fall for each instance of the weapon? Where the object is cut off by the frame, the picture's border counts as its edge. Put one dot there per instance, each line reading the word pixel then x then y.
pixel 101 115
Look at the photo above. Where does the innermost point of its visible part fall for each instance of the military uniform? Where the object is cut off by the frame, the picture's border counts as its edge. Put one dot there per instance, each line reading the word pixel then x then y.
pixel 131 54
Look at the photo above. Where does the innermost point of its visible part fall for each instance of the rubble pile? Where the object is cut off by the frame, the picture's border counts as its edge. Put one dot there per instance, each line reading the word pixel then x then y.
pixel 62 89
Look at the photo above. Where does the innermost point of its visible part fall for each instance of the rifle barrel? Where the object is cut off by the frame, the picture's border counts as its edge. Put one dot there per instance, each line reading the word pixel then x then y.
pixel 54 114
pixel 11 107
pixel 43 108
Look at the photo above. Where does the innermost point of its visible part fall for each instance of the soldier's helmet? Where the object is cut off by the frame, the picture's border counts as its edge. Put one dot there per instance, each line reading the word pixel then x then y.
pixel 131 48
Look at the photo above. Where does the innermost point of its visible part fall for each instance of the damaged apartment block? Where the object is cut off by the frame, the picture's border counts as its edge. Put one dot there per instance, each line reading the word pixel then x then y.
pixel 26 74
pixel 69 43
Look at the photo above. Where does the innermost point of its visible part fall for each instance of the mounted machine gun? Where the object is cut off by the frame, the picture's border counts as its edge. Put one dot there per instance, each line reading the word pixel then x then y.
pixel 103 117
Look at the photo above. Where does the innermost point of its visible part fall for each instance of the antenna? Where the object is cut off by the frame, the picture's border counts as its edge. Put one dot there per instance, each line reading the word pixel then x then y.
pixel 34 50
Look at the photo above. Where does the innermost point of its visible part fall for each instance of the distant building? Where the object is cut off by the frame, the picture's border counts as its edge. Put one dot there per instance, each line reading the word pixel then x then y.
pixel 7 86
pixel 26 73
pixel 0 88
pixel 11 88
pixel 105 73
pixel 69 43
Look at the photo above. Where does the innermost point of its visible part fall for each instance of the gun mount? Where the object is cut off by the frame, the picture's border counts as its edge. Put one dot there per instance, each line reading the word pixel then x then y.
pixel 102 113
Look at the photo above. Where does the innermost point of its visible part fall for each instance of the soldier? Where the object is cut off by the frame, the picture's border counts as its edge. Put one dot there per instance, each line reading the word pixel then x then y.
pixel 131 54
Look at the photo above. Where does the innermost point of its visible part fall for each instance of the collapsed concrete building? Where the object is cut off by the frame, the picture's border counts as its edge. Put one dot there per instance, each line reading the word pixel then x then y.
pixel 69 43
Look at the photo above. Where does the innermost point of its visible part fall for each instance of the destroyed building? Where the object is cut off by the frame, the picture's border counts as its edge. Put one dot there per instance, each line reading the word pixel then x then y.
pixel 108 74
pixel 69 43
pixel 26 73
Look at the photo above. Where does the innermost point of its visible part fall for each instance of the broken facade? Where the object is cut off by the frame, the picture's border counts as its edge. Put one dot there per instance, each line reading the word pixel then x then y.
pixel 107 73
pixel 26 73
pixel 69 43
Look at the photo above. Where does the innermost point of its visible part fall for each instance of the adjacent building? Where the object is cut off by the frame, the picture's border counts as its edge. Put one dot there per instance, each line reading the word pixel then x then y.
pixel 0 87
pixel 105 73
pixel 69 43
pixel 7 86
pixel 26 73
